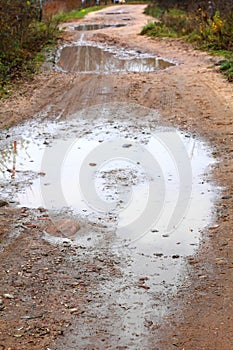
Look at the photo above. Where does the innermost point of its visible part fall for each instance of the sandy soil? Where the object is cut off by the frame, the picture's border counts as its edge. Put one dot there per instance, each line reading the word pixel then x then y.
pixel 37 302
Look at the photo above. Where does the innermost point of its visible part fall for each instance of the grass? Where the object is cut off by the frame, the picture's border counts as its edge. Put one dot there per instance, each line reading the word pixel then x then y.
pixel 226 67
pixel 76 14
pixel 212 35
pixel 158 29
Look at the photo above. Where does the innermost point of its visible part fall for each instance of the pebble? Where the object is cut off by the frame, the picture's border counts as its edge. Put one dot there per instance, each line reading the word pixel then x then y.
pixel 127 145
pixel 74 309
pixel 158 254
pixel 3 203
pixel 8 296
pixel 226 197
pixel 213 227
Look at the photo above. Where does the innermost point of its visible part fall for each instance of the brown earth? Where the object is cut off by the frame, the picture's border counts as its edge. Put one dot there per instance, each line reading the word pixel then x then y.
pixel 38 281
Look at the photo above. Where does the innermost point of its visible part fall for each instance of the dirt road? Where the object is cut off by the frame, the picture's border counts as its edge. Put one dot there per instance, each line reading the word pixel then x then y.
pixel 86 291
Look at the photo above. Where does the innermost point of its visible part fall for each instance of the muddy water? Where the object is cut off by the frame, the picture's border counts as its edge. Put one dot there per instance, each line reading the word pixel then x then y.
pixel 96 26
pixel 85 58
pixel 138 189
pixel 113 169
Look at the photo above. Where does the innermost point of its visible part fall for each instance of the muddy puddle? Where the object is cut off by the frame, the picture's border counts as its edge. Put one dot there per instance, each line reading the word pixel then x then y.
pixel 139 190
pixel 96 26
pixel 117 13
pixel 144 180
pixel 86 58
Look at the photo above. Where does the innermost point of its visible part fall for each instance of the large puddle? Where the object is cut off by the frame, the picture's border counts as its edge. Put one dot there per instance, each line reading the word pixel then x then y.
pixel 85 58
pixel 139 190
pixel 145 181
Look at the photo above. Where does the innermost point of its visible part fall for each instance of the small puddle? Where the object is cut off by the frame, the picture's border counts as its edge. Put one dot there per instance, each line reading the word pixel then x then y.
pixel 93 59
pixel 86 27
pixel 117 13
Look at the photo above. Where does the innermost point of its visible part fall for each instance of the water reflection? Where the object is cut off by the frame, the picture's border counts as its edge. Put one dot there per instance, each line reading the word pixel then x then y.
pixel 88 59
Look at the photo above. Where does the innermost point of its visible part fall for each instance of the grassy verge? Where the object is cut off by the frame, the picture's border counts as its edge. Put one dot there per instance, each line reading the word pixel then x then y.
pixel 76 14
pixel 214 35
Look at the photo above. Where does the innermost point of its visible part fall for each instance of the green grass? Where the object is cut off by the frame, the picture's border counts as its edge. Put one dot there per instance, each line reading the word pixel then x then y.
pixel 158 29
pixel 214 36
pixel 76 14
pixel 226 67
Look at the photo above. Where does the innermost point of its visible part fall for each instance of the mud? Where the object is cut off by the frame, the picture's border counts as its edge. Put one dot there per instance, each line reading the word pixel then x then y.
pixel 73 281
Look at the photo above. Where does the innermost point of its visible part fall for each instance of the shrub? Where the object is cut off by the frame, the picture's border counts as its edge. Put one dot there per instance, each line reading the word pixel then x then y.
pixel 21 37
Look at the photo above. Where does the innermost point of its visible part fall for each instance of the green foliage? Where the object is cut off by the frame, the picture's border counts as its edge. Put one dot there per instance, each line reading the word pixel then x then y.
pixel 158 29
pixel 178 21
pixel 22 36
pixel 153 11
pixel 213 33
pixel 175 22
pixel 76 14
pixel 226 66
pixel 148 28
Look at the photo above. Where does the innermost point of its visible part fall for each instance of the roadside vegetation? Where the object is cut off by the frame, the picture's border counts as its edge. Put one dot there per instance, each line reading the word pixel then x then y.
pixel 29 34
pixel 207 25
pixel 23 35
pixel 75 14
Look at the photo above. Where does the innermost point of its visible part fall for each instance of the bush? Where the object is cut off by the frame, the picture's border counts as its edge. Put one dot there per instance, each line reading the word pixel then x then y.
pixel 21 37
pixel 209 28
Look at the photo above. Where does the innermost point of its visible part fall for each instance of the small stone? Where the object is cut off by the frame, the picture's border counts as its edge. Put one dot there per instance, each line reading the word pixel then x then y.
pixel 127 145
pixel 213 227
pixel 63 228
pixel 144 286
pixel 92 164
pixel 154 230
pixel 73 310
pixel 226 197
pixel 3 203
pixel 158 254
pixel 143 279
pixel 175 256
pixel 8 296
